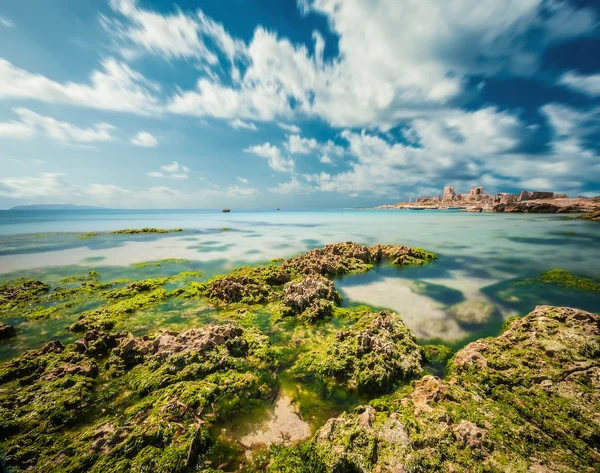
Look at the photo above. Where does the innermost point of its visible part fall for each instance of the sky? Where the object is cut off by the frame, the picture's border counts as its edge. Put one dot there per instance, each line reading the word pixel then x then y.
pixel 285 103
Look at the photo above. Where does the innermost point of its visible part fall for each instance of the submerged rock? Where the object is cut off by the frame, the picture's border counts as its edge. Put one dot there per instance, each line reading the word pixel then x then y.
pixel 525 401
pixel 472 313
pixel 7 331
pixel 372 356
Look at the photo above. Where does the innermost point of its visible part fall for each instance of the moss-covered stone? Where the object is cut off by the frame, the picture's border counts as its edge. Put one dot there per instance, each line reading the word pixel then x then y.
pixel 132 231
pixel 21 293
pixel 524 401
pixel 370 357
pixel 248 285
pixel 117 403
pixel 310 298
pixel 566 279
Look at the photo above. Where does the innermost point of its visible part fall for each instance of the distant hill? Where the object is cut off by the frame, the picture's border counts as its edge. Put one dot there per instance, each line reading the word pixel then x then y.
pixel 55 207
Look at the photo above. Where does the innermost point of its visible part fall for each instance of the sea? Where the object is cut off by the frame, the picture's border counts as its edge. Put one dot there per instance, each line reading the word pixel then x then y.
pixel 486 261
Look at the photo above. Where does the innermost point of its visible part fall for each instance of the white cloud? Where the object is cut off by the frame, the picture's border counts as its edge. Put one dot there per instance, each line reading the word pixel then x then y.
pixel 7 22
pixel 115 87
pixel 32 123
pixel 145 139
pixel 65 132
pixel 16 130
pixel 174 170
pixel 412 65
pixel 324 151
pixel 243 180
pixel 273 154
pixel 588 85
pixel 289 127
pixel 240 124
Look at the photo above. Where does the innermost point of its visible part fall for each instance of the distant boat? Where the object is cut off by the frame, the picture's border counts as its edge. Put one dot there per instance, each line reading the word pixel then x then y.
pixel 277 208
pixel 226 210
pixel 416 208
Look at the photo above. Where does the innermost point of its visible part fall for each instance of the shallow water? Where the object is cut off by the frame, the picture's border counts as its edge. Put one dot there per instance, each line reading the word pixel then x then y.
pixel 480 255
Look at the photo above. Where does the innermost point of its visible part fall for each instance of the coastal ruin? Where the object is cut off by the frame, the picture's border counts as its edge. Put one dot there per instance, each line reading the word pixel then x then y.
pixel 476 200
pixel 477 196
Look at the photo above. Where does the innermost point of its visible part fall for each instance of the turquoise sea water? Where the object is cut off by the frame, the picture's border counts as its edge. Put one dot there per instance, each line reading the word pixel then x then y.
pixel 484 258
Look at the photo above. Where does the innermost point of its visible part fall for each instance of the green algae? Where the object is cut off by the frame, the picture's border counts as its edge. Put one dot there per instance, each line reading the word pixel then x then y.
pixel 371 356
pixel 21 293
pixel 566 279
pixel 159 263
pixel 133 231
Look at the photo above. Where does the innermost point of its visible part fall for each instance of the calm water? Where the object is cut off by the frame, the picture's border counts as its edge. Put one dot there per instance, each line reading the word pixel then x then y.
pixel 482 257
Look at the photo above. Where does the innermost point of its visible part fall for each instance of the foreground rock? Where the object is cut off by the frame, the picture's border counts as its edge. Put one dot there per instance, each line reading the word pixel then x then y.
pixel 376 353
pixel 119 403
pixel 526 401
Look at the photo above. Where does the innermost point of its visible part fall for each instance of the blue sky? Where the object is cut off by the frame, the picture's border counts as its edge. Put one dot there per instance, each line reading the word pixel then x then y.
pixel 278 103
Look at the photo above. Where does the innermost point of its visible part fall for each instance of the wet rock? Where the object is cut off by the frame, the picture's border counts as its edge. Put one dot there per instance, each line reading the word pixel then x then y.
pixel 7 331
pixel 310 298
pixel 472 313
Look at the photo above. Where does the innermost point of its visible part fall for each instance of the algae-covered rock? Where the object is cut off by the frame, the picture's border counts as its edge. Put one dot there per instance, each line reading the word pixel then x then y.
pixel 332 260
pixel 525 401
pixel 370 357
pixel 7 331
pixel 472 313
pixel 119 403
pixel 246 285
pixel 310 298
pixel 566 279
pixel 402 255
pixel 350 257
pixel 21 292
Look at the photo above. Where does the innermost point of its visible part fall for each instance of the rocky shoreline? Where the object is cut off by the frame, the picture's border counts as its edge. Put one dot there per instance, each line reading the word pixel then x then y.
pixel 478 201
pixel 524 401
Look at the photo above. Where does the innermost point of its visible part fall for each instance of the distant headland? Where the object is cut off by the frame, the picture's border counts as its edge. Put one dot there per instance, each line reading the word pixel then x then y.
pixel 56 207
pixel 478 201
